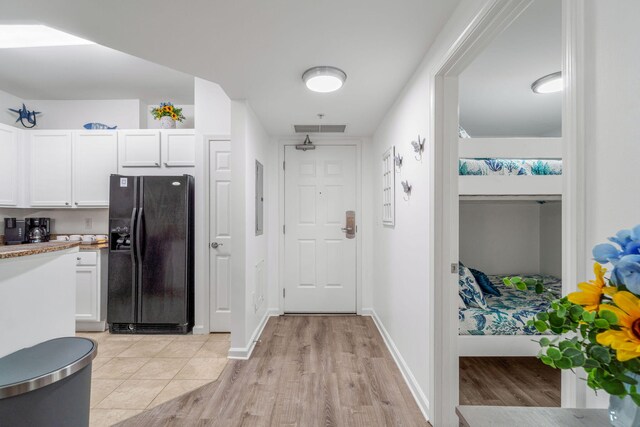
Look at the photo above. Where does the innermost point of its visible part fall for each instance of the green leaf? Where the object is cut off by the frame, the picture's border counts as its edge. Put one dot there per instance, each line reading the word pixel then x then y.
pixel 563 345
pixel 554 353
pixel 578 360
pixel 626 379
pixel 561 312
pixel 547 361
pixel 576 310
pixel 601 323
pixel 636 398
pixel 571 352
pixel 609 316
pixel 530 282
pixel 521 286
pixel 564 363
pixel 591 363
pixel 540 325
pixel 601 354
pixel 515 280
pixel 614 386
pixel 555 320
pixel 588 316
pixel 543 316
pixel 544 342
pixel 539 288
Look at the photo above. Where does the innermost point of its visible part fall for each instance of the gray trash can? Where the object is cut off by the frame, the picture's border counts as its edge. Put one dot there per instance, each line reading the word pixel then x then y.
pixel 48 384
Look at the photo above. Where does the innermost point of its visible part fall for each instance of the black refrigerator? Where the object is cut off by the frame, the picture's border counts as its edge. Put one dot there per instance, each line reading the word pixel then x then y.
pixel 151 241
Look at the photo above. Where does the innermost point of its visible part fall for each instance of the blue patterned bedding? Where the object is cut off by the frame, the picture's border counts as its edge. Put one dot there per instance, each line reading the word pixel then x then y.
pixel 507 314
pixel 471 167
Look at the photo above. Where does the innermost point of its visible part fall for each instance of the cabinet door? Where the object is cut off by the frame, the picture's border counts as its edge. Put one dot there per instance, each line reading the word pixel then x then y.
pixel 139 148
pixel 178 148
pixel 9 168
pixel 50 168
pixel 87 293
pixel 95 158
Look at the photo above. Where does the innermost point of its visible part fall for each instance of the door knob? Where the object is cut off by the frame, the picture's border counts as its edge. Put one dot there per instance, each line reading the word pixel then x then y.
pixel 215 245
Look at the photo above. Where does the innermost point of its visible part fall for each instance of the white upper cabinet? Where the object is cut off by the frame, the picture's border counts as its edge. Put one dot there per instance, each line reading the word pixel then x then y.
pixel 10 166
pixel 50 168
pixel 95 158
pixel 139 148
pixel 178 148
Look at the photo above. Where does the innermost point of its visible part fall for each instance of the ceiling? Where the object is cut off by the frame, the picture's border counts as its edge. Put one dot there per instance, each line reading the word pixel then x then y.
pixel 495 90
pixel 89 72
pixel 257 50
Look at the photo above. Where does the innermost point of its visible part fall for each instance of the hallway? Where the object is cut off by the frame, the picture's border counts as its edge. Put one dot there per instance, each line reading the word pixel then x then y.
pixel 305 371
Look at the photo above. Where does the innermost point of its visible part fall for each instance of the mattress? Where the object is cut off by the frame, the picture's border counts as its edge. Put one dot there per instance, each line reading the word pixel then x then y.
pixel 508 313
pixel 516 167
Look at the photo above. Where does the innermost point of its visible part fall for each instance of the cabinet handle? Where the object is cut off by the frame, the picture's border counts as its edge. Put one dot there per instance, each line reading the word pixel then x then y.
pixel 66 203
pixel 157 164
pixel 76 203
pixel 166 164
pixel 78 258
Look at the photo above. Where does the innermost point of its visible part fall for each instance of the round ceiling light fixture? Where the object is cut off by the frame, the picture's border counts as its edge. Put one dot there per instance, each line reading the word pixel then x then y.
pixel 324 79
pixel 550 83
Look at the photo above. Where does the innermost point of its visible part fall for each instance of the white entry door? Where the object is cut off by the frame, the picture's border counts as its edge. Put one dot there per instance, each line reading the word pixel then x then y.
pixel 320 261
pixel 220 241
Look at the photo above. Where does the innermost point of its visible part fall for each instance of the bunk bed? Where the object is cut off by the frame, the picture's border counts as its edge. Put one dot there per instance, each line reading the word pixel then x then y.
pixel 510 167
pixel 506 170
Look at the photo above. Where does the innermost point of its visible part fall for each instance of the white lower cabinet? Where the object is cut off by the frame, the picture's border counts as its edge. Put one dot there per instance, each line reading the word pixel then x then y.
pixel 91 290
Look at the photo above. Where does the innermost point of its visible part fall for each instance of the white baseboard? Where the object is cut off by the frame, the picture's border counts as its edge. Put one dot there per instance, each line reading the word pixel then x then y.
pixel 244 353
pixel 199 330
pixel 416 391
pixel 498 345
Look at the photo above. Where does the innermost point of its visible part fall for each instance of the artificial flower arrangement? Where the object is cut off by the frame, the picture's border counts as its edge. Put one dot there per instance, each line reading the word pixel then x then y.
pixel 167 109
pixel 600 324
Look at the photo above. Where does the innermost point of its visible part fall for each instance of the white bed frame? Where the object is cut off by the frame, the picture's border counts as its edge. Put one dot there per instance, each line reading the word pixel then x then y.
pixel 498 345
pixel 516 148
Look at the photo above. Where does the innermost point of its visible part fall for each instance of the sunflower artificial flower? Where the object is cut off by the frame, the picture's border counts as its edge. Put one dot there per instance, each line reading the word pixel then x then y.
pixel 174 116
pixel 170 108
pixel 166 108
pixel 626 341
pixel 590 294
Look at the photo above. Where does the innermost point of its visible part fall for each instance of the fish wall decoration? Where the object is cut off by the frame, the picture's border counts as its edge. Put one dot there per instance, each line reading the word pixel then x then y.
pixel 25 114
pixel 98 126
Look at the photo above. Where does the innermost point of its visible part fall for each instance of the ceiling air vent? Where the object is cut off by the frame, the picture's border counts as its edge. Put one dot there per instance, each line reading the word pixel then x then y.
pixel 319 128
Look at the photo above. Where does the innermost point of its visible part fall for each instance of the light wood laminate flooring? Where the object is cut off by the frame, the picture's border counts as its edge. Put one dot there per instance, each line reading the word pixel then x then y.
pixel 305 371
pixel 508 381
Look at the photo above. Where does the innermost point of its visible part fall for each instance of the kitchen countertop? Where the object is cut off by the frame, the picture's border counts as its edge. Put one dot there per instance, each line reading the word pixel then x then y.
pixel 93 246
pixel 14 251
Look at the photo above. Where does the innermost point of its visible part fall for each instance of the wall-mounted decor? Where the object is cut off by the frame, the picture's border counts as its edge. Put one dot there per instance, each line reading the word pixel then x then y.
pixel 397 159
pixel 418 147
pixel 259 198
pixel 25 114
pixel 98 126
pixel 406 187
pixel 167 114
pixel 388 187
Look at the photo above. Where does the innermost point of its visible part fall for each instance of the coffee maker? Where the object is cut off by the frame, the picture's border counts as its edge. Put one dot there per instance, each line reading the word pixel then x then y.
pixel 14 231
pixel 38 230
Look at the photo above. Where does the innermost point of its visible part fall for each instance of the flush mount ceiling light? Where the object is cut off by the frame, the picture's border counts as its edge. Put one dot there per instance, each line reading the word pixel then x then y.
pixel 548 84
pixel 324 79
pixel 16 36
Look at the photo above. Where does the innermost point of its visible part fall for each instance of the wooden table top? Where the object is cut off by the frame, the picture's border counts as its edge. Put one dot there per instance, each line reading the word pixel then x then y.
pixel 497 416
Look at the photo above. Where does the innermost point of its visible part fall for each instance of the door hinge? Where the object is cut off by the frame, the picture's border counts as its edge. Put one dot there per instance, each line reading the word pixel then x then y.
pixel 284 292
pixel 284 227
pixel 454 268
pixel 283 167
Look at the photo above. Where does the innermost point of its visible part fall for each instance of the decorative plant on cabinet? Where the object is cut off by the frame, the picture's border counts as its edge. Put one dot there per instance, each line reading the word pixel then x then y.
pixel 168 115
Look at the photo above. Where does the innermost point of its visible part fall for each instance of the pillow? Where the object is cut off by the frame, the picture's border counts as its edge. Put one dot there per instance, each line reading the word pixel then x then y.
pixel 485 284
pixel 469 290
pixel 461 304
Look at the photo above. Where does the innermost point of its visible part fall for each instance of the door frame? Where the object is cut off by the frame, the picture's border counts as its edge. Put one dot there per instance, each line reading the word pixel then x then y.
pixel 320 141
pixel 494 17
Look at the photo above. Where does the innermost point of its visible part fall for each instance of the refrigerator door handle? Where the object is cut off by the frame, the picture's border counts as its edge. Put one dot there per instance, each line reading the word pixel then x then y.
pixel 134 211
pixel 138 235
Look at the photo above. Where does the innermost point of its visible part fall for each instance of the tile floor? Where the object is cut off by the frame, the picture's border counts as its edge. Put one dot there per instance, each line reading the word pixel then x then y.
pixel 133 373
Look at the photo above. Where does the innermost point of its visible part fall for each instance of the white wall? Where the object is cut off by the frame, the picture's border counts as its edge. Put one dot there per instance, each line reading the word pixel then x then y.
pixel 212 112
pixel 65 221
pixel 187 110
pixel 249 142
pixel 500 237
pixel 7 101
pixel 551 239
pixel 73 114
pixel 402 287
pixel 612 133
